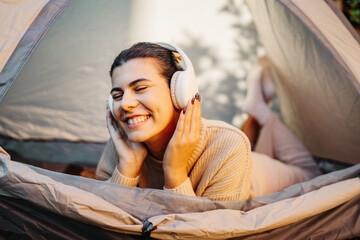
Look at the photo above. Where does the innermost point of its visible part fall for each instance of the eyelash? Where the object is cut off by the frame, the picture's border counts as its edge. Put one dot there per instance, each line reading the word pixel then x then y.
pixel 140 89
pixel 119 96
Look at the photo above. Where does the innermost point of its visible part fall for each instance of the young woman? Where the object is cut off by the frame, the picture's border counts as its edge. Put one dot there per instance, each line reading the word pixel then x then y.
pixel 154 145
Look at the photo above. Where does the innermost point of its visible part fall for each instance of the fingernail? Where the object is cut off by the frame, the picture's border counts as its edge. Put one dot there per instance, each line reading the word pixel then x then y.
pixel 198 97
pixel 192 100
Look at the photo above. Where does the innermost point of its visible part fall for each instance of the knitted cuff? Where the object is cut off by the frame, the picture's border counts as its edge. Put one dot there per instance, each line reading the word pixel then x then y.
pixel 184 188
pixel 118 178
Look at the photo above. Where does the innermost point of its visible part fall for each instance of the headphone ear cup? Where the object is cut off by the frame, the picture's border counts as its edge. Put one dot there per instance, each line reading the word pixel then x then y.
pixel 183 87
pixel 173 83
pixel 110 103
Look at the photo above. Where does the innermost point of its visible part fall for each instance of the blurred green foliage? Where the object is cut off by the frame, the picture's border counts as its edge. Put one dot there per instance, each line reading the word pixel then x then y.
pixel 352 11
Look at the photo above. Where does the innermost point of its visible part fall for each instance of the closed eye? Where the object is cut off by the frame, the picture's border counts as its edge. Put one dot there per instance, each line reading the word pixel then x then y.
pixel 139 89
pixel 117 96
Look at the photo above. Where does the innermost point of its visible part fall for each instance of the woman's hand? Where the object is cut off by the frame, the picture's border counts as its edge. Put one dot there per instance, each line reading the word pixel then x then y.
pixel 131 155
pixel 182 144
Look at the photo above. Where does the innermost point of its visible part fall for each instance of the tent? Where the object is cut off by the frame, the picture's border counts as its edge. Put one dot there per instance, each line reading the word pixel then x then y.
pixel 317 80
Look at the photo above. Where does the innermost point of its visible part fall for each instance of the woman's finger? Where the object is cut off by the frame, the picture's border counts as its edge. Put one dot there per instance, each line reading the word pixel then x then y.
pixel 196 118
pixel 179 127
pixel 188 117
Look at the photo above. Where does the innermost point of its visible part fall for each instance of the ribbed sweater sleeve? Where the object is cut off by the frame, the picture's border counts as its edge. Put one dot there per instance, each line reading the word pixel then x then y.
pixel 184 188
pixel 107 168
pixel 118 178
pixel 108 162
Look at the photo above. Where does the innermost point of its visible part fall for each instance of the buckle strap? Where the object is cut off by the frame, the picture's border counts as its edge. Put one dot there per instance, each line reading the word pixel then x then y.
pixel 147 228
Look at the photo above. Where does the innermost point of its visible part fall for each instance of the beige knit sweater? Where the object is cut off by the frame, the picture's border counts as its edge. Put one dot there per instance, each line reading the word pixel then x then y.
pixel 221 171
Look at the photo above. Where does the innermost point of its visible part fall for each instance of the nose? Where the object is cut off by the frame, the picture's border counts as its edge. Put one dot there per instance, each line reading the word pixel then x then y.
pixel 128 101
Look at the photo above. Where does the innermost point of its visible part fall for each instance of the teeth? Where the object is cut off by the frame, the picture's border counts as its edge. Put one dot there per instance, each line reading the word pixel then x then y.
pixel 136 120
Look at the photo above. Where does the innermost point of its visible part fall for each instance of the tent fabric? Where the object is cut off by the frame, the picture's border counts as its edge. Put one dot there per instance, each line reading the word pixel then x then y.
pixel 123 209
pixel 348 54
pixel 30 19
pixel 65 83
pixel 316 63
pixel 35 150
pixel 21 219
pixel 56 151
pixel 343 19
pixel 15 19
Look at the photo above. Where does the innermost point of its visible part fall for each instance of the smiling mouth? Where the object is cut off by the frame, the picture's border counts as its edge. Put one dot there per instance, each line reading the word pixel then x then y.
pixel 136 120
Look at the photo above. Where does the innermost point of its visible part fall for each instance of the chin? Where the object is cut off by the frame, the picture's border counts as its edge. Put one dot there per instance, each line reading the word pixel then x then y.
pixel 137 137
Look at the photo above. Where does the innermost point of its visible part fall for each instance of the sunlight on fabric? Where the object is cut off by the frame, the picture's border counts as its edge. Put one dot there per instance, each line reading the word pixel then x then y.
pixel 15 19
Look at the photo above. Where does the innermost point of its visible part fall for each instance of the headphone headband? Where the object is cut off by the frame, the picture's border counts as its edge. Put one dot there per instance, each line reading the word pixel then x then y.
pixel 183 83
pixel 186 60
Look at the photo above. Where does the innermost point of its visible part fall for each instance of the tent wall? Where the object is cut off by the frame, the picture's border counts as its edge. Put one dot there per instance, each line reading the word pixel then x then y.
pixel 64 84
pixel 31 24
pixel 15 19
pixel 316 62
pixel 48 153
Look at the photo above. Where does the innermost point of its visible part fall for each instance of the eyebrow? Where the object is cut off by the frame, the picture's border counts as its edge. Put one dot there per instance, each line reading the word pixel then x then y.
pixel 131 84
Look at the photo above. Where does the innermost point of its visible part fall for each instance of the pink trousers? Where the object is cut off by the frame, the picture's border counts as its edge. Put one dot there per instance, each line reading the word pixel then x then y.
pixel 279 160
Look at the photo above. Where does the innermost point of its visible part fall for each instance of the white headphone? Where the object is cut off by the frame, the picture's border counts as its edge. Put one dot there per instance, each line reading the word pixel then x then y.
pixel 183 84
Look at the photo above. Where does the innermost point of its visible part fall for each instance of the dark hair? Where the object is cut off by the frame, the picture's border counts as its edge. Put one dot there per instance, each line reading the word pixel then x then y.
pixel 167 62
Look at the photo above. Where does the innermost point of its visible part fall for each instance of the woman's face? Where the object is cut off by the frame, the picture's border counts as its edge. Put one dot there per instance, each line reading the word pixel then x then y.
pixel 142 100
